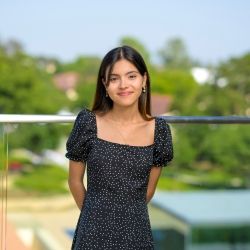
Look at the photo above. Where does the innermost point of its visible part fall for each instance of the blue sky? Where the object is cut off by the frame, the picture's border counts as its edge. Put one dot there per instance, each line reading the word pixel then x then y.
pixel 212 30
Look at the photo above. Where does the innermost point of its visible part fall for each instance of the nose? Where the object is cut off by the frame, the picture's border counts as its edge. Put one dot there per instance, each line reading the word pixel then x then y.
pixel 123 83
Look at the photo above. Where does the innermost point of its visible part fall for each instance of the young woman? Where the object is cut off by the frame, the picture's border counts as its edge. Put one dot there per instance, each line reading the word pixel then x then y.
pixel 124 149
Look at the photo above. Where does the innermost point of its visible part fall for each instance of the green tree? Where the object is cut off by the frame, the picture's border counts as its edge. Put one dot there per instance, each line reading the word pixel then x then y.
pixel 228 147
pixel 236 71
pixel 86 66
pixel 35 137
pixel 178 84
pixel 86 92
pixel 136 44
pixel 26 88
pixel 185 153
pixel 214 100
pixel 174 54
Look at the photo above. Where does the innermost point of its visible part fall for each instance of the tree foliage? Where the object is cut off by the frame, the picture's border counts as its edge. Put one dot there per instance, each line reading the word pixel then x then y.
pixel 174 54
pixel 237 73
pixel 86 66
pixel 178 84
pixel 135 43
pixel 222 146
pixel 24 88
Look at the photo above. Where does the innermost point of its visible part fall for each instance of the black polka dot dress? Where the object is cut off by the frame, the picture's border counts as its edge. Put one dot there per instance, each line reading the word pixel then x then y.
pixel 114 214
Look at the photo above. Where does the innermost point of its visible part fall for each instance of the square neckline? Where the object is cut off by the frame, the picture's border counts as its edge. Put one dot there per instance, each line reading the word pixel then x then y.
pixel 122 144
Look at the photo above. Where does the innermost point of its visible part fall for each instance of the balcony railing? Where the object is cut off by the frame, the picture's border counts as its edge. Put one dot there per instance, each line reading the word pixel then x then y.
pixel 170 119
pixel 44 239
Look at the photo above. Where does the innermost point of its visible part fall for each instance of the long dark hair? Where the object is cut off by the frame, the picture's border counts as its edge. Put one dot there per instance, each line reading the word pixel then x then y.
pixel 103 104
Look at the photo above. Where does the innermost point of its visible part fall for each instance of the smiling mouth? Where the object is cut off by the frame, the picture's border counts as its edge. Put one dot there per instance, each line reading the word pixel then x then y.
pixel 124 93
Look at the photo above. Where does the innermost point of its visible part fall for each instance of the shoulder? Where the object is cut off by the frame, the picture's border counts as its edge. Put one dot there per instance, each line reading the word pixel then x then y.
pixel 84 112
pixel 161 122
pixel 162 128
pixel 85 116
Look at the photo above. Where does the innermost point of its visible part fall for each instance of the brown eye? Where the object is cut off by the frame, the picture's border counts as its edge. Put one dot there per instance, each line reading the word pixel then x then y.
pixel 132 77
pixel 113 79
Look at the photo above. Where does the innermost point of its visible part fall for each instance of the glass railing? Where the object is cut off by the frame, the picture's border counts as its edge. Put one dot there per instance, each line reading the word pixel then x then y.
pixel 201 202
pixel 3 182
pixel 36 208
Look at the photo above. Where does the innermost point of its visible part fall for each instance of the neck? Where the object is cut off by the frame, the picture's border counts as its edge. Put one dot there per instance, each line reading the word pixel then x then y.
pixel 125 114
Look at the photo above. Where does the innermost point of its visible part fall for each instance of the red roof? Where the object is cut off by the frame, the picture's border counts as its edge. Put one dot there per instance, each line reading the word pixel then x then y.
pixel 67 80
pixel 160 104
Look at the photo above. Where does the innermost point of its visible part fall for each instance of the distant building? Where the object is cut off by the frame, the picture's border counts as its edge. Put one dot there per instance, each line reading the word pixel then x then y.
pixel 66 81
pixel 160 104
pixel 202 220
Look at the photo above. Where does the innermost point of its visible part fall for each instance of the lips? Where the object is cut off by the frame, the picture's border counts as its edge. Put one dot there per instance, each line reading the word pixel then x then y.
pixel 124 93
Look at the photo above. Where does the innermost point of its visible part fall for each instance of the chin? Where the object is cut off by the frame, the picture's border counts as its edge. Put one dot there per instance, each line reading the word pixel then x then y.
pixel 127 103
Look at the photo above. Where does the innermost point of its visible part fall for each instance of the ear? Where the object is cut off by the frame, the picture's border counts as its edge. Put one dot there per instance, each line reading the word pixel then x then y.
pixel 144 81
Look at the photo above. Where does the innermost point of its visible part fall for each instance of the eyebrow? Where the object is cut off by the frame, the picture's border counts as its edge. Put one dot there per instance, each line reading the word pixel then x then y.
pixel 133 71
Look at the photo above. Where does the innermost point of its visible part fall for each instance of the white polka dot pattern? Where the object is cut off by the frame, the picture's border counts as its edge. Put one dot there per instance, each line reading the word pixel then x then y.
pixel 114 214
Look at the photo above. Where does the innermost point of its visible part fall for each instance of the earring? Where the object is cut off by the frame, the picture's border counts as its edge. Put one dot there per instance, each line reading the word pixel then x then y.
pixel 144 89
pixel 107 94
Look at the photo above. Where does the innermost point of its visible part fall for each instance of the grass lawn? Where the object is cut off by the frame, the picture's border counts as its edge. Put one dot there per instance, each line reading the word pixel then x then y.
pixel 197 179
pixel 41 180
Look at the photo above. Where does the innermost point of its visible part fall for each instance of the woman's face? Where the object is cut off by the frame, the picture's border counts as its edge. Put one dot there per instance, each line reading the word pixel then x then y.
pixel 125 83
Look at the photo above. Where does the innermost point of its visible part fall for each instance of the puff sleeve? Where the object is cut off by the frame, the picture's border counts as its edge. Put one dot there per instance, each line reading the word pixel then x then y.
pixel 163 149
pixel 78 143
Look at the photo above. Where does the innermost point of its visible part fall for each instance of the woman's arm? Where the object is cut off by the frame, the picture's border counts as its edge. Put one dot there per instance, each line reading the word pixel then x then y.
pixel 75 182
pixel 152 183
